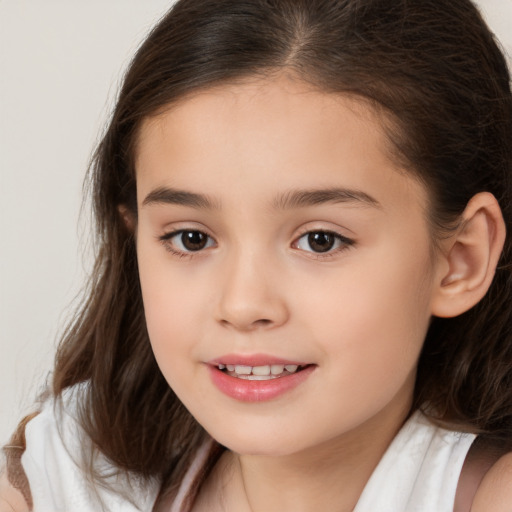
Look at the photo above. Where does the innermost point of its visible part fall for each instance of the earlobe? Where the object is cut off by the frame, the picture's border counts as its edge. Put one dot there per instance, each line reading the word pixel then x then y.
pixel 127 217
pixel 470 257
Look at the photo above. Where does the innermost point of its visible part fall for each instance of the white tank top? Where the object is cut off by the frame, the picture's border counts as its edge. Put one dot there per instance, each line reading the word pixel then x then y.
pixel 418 473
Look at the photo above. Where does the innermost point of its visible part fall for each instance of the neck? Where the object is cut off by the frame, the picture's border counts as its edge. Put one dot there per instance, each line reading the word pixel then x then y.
pixel 330 476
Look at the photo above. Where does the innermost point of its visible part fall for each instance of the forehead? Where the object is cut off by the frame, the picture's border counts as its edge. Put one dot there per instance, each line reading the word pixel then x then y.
pixel 281 130
pixel 263 101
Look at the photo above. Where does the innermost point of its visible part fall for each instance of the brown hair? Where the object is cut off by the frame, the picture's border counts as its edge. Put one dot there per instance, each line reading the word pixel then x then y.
pixel 434 69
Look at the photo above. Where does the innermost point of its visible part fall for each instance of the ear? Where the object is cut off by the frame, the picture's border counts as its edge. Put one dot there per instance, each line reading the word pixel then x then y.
pixel 127 217
pixel 469 257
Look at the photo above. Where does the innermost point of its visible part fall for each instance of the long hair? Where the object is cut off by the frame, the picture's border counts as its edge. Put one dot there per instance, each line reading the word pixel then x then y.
pixel 434 71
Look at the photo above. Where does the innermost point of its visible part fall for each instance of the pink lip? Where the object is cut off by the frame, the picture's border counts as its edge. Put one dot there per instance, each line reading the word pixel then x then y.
pixel 257 390
pixel 252 360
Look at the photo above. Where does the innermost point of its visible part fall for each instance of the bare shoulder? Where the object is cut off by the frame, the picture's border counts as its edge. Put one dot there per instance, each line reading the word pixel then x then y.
pixel 494 494
pixel 11 500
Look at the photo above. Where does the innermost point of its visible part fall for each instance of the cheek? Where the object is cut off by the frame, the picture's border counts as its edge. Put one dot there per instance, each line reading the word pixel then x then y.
pixel 170 313
pixel 172 305
pixel 372 319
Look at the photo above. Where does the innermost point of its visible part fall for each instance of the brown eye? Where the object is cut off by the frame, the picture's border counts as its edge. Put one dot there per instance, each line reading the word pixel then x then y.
pixel 186 241
pixel 321 241
pixel 194 240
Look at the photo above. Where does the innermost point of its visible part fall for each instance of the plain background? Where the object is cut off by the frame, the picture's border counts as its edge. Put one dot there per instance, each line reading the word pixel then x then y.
pixel 60 66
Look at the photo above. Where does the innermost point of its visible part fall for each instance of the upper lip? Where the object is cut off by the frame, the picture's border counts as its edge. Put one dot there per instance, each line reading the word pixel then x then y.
pixel 253 360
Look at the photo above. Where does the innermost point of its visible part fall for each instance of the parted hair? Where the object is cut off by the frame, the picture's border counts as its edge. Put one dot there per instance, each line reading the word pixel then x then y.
pixel 437 77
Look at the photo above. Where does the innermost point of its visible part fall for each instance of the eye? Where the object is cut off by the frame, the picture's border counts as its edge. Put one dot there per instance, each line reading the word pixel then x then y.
pixel 186 241
pixel 322 242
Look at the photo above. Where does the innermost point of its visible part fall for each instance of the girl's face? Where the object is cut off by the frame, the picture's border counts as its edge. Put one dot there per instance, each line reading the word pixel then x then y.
pixel 275 230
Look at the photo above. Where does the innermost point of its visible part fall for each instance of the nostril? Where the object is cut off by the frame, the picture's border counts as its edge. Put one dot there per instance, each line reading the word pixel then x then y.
pixel 263 321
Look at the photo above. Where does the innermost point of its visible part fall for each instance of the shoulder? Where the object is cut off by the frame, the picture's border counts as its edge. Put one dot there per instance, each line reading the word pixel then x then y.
pixel 67 471
pixel 11 500
pixel 494 494
pixel 34 454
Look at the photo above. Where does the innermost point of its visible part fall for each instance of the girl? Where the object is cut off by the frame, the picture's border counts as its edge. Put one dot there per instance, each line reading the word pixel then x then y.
pixel 301 299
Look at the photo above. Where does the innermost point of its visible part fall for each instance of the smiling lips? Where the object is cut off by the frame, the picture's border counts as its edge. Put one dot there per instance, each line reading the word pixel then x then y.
pixel 257 382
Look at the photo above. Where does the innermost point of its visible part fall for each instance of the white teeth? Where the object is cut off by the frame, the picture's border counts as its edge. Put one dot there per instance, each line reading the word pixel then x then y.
pixel 243 370
pixel 276 369
pixel 257 377
pixel 261 370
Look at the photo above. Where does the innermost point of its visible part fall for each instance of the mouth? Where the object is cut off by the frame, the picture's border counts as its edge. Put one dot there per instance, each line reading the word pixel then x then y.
pixel 258 378
pixel 260 373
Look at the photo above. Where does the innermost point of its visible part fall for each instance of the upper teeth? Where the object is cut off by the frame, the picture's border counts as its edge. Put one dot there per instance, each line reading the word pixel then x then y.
pixel 274 369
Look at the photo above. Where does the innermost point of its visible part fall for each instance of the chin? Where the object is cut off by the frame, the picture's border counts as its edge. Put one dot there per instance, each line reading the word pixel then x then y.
pixel 257 444
pixel 261 450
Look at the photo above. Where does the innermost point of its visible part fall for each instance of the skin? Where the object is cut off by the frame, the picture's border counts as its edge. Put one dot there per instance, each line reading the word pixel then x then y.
pixel 11 500
pixel 359 314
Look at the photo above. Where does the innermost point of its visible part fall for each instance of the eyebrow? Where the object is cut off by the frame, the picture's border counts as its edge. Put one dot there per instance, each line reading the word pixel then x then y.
pixel 165 195
pixel 288 200
pixel 304 198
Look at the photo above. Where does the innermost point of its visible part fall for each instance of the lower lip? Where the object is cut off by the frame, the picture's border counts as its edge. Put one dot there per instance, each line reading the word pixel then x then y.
pixel 257 390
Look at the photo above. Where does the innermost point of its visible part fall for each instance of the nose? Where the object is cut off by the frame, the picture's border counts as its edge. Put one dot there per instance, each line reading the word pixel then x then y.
pixel 250 296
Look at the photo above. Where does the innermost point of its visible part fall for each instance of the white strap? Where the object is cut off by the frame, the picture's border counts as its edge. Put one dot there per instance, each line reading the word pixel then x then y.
pixel 419 472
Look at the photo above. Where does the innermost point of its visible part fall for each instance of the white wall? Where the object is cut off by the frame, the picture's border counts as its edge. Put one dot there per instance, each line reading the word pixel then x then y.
pixel 60 62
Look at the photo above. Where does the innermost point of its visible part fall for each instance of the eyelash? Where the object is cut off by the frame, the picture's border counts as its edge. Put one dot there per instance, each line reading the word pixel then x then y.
pixel 343 243
pixel 166 241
